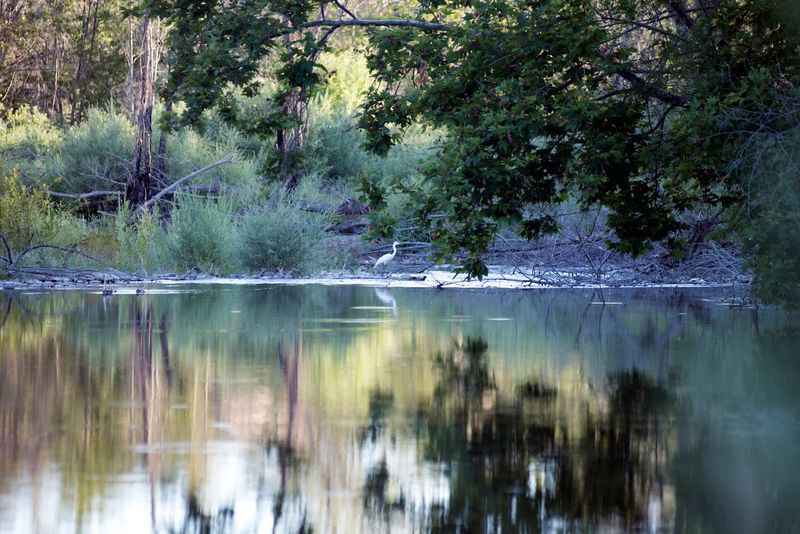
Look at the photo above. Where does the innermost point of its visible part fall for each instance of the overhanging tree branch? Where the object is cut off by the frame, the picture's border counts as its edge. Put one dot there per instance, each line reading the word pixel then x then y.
pixel 647 89
pixel 638 83
pixel 384 23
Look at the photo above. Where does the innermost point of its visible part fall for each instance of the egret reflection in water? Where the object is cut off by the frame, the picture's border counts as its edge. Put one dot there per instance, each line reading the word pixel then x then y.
pixel 168 413
pixel 386 297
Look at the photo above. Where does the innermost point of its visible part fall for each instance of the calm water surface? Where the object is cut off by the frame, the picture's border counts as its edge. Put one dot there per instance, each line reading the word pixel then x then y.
pixel 319 409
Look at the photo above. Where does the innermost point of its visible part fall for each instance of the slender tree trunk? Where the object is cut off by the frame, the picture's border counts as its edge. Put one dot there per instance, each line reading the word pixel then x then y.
pixel 161 157
pixel 86 50
pixel 289 141
pixel 139 184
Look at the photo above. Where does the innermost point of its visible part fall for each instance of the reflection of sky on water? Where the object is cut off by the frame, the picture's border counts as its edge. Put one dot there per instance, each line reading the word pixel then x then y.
pixel 364 410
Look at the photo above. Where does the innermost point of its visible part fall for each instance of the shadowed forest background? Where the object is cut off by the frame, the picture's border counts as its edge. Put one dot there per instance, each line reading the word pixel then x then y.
pixel 273 136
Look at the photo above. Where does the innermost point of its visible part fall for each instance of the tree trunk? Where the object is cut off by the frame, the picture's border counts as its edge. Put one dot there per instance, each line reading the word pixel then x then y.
pixel 139 184
pixel 289 141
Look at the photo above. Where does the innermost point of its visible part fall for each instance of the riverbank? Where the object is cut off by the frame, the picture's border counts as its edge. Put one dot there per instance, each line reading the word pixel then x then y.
pixel 500 277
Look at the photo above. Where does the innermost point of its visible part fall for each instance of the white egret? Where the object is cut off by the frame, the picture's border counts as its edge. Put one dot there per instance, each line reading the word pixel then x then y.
pixel 386 258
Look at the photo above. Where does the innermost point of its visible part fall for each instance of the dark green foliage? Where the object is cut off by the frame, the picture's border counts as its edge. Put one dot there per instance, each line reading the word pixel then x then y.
pixel 545 98
pixel 216 45
pixel 769 219
pixel 622 104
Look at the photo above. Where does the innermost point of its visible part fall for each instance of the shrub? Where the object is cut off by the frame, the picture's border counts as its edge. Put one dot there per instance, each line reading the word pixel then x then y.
pixel 314 189
pixel 336 143
pixel 188 151
pixel 282 237
pixel 141 242
pixel 335 148
pixel 203 235
pixel 28 143
pixel 96 154
pixel 253 109
pixel 28 218
pixel 406 159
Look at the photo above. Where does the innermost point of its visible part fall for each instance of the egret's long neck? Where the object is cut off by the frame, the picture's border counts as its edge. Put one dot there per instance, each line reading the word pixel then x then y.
pixel 394 249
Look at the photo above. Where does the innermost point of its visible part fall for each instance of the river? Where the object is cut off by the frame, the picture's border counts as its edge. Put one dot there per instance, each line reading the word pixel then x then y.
pixel 353 409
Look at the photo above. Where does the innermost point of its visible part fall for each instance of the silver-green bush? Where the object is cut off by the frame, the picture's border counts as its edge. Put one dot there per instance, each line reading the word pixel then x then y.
pixel 96 154
pixel 28 143
pixel 203 235
pixel 188 151
pixel 282 237
pixel 142 244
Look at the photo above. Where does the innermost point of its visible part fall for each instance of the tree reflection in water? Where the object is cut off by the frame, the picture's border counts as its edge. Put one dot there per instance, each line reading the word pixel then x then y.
pixel 513 466
pixel 378 503
pixel 197 521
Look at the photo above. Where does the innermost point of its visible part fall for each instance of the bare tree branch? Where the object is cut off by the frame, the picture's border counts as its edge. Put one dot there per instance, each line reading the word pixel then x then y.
pixel 53 247
pixel 155 198
pixel 10 256
pixel 343 8
pixel 83 196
